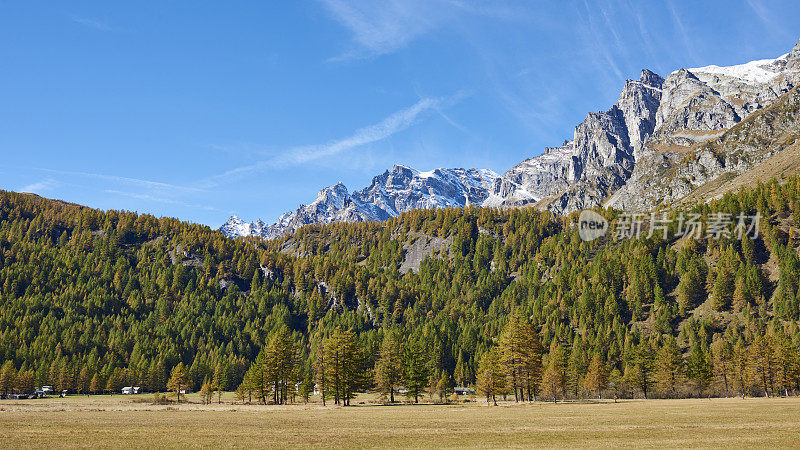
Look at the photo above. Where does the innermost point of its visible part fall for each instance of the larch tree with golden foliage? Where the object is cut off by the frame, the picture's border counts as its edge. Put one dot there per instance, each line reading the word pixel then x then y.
pixel 762 363
pixel 7 375
pixel 521 355
pixel 554 380
pixel 670 367
pixel 178 381
pixel 389 367
pixel 491 376
pixel 281 359
pixel 596 379
pixel 722 354
pixel 345 370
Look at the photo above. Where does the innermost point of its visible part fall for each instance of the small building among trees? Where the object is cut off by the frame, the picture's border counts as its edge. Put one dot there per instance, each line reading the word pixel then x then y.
pixel 459 390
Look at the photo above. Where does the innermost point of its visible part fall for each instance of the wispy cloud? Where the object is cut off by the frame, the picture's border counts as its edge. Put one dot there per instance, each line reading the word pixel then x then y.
pixel 384 27
pixel 392 124
pixel 152 198
pixel 596 43
pixel 380 28
pixel 40 186
pixel 682 31
pixel 133 181
pixel 767 17
pixel 644 33
pixel 91 23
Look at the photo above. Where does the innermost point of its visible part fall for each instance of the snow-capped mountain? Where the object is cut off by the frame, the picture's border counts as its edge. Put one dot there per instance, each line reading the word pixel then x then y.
pixel 619 157
pixel 654 118
pixel 395 191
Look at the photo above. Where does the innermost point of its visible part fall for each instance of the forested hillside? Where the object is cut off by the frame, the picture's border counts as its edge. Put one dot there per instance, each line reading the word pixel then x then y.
pixel 511 301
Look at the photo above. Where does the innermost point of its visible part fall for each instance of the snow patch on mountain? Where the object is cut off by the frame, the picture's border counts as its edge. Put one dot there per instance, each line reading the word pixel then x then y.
pixel 761 71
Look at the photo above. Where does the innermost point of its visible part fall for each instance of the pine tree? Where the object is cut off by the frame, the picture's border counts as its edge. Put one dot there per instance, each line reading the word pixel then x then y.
pixel 532 369
pixel 577 367
pixel 258 376
pixel 491 376
pixel 241 391
pixel 178 381
pixel 616 382
pixel 206 392
pixel 84 378
pixel 596 375
pixel 280 361
pixel 389 367
pixel 787 361
pixel 722 353
pixel 307 385
pixel 521 355
pixel 690 288
pixel 670 367
pixel 723 291
pixel 554 379
pixel 553 382
pixel 94 385
pixel 320 372
pixel 345 367
pixel 643 368
pixel 762 363
pixel 698 368
pixel 415 369
pixel 7 376
pixel 220 381
pixel 25 381
pixel 444 386
pixel 742 373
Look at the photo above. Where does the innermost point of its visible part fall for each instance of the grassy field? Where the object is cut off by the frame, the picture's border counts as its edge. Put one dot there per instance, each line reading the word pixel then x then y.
pixel 121 421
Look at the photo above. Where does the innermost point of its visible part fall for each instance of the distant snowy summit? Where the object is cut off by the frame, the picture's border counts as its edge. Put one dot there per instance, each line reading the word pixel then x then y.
pixel 391 193
pixel 613 158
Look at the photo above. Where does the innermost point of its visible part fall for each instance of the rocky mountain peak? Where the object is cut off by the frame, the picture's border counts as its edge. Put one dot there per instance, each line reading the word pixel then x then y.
pixel 333 194
pixel 795 53
pixel 793 58
pixel 651 79
pixel 683 74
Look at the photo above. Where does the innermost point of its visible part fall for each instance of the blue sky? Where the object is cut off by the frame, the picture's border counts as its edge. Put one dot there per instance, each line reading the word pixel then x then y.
pixel 200 110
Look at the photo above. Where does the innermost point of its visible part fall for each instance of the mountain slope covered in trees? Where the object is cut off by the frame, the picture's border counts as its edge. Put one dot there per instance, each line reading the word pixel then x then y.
pixel 511 301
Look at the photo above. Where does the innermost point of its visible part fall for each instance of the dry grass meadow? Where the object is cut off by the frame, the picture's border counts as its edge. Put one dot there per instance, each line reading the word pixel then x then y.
pixel 130 422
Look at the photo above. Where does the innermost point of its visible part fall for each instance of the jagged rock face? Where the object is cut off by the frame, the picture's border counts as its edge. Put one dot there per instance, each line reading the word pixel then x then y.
pixel 333 204
pixel 664 179
pixel 598 159
pixel 639 103
pixel 403 188
pixel 238 227
pixel 654 122
pixel 793 58
pixel 697 106
pixel 534 178
pixel 687 106
pixel 395 191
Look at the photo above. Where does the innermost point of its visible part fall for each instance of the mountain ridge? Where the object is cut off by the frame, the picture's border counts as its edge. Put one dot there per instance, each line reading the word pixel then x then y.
pixel 656 120
pixel 391 193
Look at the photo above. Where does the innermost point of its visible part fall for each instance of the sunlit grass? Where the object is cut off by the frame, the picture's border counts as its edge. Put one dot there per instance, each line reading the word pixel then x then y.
pixel 117 421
